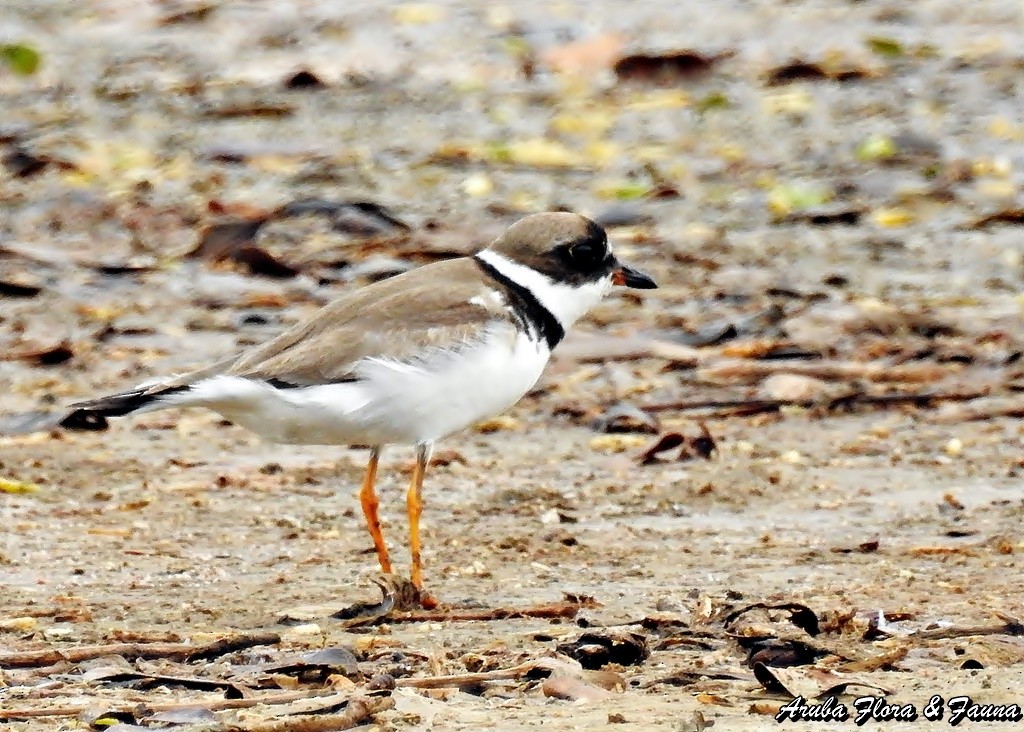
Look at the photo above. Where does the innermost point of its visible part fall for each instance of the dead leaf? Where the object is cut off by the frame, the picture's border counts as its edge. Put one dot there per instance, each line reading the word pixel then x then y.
pixel 248 108
pixel 626 418
pixel 19 288
pixel 137 679
pixel 833 69
pixel 799 615
pixel 780 653
pixel 867 547
pixel 182 12
pixel 235 241
pixel 826 214
pixel 316 666
pixel 810 682
pixel 356 218
pixel 719 701
pixel 597 649
pixel 305 80
pixel 573 688
pixel 43 355
pixel 397 593
pixel 767 708
pixel 669 67
pixel 702 446
pixel 23 164
pixel 759 323
pixel 665 443
pixel 1014 215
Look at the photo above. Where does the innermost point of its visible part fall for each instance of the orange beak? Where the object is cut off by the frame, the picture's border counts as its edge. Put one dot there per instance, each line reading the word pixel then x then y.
pixel 628 277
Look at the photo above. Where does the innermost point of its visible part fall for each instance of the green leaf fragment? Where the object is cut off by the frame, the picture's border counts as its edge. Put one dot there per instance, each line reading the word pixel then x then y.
pixel 888 47
pixel 17 487
pixel 499 152
pixel 20 58
pixel 714 100
pixel 631 191
pixel 876 147
pixel 786 198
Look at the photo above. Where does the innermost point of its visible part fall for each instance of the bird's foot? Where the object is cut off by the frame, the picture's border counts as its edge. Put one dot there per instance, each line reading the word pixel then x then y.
pixel 407 596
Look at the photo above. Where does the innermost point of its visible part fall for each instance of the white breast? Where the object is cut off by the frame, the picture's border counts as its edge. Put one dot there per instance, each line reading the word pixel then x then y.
pixel 441 392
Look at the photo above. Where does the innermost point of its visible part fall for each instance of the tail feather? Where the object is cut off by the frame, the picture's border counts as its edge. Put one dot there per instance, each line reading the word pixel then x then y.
pixel 93 414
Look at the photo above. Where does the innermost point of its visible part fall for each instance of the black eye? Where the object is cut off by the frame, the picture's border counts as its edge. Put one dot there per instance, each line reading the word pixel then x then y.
pixel 587 254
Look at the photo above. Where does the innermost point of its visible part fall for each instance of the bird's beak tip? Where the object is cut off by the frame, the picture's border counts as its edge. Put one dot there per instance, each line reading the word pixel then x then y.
pixel 628 277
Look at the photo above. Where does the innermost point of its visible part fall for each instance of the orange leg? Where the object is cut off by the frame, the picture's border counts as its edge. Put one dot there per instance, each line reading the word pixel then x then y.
pixel 414 503
pixel 368 497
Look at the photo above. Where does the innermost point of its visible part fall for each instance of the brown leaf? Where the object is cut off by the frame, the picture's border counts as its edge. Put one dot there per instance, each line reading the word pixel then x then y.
pixel 597 649
pixel 702 446
pixel 304 79
pixel 719 701
pixel 23 164
pixel 22 288
pixel 799 615
pixel 185 13
pixel 667 68
pixel 235 241
pixel 867 547
pixel 626 418
pixel 768 708
pixel 572 688
pixel 261 262
pixel 817 71
pixel 316 666
pixel 829 214
pixel 357 218
pixel 249 108
pixel 117 674
pixel 42 355
pixel 666 442
pixel 810 682
pixel 1013 215
pixel 780 653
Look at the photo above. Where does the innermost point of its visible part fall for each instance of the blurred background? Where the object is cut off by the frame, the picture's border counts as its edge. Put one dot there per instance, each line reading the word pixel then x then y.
pixel 858 149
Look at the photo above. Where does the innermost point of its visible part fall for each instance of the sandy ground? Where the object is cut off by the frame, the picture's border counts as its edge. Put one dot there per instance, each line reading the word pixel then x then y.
pixel 459 118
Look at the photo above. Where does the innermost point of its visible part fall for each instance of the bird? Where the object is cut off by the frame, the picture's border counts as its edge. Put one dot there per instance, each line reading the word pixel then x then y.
pixel 404 361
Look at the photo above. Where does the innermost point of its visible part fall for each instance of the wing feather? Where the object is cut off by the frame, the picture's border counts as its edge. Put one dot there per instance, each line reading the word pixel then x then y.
pixel 443 306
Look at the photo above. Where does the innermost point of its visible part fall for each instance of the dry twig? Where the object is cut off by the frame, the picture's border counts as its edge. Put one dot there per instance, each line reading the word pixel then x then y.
pixel 554 610
pixel 173 651
pixel 214 705
pixel 359 710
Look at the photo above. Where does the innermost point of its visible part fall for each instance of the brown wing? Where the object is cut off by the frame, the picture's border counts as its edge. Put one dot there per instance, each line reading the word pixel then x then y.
pixel 395 318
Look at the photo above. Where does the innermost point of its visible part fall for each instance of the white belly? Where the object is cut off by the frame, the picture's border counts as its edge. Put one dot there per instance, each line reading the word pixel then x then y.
pixel 391 402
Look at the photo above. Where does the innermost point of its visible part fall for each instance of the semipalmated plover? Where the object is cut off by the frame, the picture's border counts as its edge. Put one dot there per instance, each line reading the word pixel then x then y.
pixel 407 360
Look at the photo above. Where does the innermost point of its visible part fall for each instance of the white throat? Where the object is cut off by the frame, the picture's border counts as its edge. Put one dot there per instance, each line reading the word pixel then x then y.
pixel 566 302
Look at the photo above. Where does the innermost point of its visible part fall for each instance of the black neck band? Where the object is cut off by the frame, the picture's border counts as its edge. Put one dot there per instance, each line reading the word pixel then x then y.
pixel 534 317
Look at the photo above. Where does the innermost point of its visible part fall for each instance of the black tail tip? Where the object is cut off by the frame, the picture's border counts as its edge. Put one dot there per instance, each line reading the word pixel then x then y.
pixel 35 422
pixel 84 420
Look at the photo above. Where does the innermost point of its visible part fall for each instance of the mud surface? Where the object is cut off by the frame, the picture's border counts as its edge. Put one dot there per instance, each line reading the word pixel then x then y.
pixel 831 190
